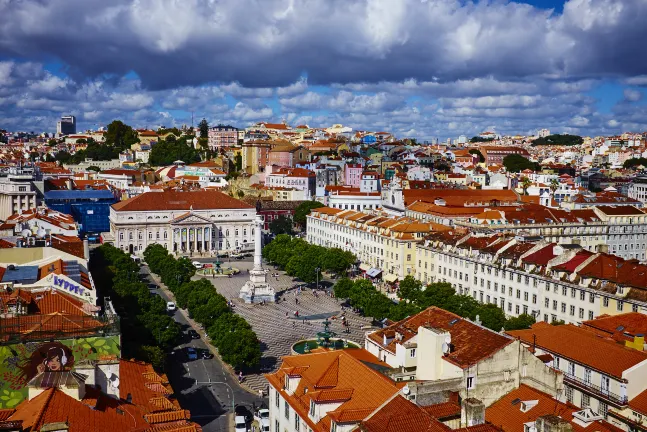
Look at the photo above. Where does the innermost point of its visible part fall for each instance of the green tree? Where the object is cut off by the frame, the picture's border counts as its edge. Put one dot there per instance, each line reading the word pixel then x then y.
pixel 492 316
pixel 477 152
pixel 167 151
pixel 52 142
pixel 521 322
pixel 634 163
pixel 525 184
pixel 281 225
pixel 203 126
pixel 63 157
pixel 559 140
pixel 303 210
pixel 238 162
pixel 120 136
pixel 337 260
pixel 517 163
pixel 410 288
pixel 554 185
pixel 343 288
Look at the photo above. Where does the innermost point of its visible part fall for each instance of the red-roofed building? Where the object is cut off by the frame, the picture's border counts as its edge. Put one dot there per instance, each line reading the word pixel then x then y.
pixel 442 350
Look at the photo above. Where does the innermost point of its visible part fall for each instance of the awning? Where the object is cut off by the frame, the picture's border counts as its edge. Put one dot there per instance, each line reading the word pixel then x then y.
pixel 364 267
pixel 390 278
pixel 373 272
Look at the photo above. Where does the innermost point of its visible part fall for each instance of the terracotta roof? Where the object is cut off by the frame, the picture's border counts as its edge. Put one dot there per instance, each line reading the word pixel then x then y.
pixel 334 374
pixel 470 343
pixel 510 418
pixel 582 346
pixel 630 324
pixel 401 415
pixel 174 200
pixel 639 403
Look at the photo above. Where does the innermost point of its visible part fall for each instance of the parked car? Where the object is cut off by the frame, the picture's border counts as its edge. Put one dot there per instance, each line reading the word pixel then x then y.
pixel 170 307
pixel 197 265
pixel 262 414
pixel 191 353
pixel 244 412
pixel 194 334
pixel 239 424
pixel 152 286
pixel 206 354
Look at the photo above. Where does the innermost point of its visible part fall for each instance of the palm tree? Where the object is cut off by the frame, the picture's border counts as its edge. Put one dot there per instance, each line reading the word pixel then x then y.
pixel 525 184
pixel 554 185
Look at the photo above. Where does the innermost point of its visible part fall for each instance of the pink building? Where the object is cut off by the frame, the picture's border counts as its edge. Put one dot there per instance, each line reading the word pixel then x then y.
pixel 286 156
pixel 353 175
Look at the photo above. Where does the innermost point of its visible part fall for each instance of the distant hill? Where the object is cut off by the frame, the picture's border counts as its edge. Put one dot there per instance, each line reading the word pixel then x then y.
pixel 558 140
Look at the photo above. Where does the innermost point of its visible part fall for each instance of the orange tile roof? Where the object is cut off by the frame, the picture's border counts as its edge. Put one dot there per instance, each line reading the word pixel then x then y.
pixel 470 343
pixel 175 200
pixel 639 403
pixel 401 415
pixel 582 346
pixel 630 324
pixel 510 418
pixel 335 374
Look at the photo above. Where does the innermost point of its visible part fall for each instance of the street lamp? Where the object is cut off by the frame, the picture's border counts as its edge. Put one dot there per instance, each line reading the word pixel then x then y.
pixel 317 275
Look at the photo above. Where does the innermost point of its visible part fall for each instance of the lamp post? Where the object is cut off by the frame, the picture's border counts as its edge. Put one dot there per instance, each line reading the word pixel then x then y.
pixel 317 275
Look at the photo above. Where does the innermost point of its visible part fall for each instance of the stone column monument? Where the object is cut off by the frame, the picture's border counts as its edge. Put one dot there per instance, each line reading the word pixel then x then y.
pixel 257 290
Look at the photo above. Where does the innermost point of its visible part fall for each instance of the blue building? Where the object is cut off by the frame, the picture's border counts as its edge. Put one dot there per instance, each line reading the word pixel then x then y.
pixel 369 139
pixel 89 208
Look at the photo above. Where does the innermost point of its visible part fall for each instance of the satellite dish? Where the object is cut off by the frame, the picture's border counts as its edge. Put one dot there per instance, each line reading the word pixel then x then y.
pixel 445 348
pixel 448 339
pixel 406 390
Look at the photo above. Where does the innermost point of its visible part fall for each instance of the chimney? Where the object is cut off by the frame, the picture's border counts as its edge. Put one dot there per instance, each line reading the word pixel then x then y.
pixel 472 412
pixel 552 423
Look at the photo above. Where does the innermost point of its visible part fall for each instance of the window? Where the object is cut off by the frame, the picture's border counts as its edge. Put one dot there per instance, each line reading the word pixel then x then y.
pixel 296 422
pixel 556 362
pixel 150 236
pixel 571 368
pixel 587 375
pixel 586 400
pixel 287 410
pixel 569 394
pixel 534 299
pixel 572 310
pixel 603 410
pixel 278 399
pixel 620 305
pixel 581 313
pixel 563 307
pixel 312 408
pixel 634 308
pixel 547 302
pixel 516 309
pixel 121 236
pixel 518 294
pixel 590 315
pixel 582 295
pixel 470 382
pixel 277 426
pixel 605 301
pixel 604 383
pixel 525 296
pixel 333 427
pixel 554 304
pixel 412 353
pixel 564 291
pixel 591 298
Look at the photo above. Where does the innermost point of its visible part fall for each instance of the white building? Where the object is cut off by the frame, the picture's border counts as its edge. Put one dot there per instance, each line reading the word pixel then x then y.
pixel 17 192
pixel 40 221
pixel 192 222
pixel 292 178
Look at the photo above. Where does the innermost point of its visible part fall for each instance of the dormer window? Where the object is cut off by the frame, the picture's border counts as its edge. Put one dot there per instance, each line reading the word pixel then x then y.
pixel 286 385
pixel 312 408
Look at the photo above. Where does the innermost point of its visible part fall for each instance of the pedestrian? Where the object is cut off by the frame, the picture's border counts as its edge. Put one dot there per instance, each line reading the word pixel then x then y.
pixel 240 376
pixel 286 314
pixel 296 300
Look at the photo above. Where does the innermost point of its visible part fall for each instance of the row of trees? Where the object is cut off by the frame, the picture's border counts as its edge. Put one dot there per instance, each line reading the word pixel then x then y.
pixel 147 332
pixel 413 299
pixel 635 162
pixel 237 343
pixel 559 139
pixel 304 260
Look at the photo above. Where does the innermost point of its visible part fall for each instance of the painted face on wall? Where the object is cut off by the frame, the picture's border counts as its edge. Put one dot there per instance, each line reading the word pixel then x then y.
pixel 54 364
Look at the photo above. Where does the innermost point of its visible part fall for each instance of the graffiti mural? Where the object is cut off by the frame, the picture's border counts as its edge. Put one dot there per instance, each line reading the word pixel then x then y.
pixel 19 363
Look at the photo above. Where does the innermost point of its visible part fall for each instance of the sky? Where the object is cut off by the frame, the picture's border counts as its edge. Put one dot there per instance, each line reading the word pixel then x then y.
pixel 416 68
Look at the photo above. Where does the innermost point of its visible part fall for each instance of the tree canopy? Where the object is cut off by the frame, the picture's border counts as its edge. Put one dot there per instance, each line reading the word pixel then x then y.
pixel 303 210
pixel 237 343
pixel 120 136
pixel 203 127
pixel 415 298
pixel 635 162
pixel 559 140
pixel 477 152
pixel 171 149
pixel 281 225
pixel 301 259
pixel 476 139
pixel 518 163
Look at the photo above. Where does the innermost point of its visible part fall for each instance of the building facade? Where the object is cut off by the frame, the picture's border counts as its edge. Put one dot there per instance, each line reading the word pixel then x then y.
pixel 198 222
pixel 222 136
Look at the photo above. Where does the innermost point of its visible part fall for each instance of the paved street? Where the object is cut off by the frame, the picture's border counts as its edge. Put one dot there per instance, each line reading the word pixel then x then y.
pixel 208 403
pixel 277 331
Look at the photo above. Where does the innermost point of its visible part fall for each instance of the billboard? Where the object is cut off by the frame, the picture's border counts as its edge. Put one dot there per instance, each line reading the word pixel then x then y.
pixel 19 363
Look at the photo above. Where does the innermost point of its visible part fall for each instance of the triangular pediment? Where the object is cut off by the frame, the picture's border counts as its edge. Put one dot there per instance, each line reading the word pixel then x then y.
pixel 189 218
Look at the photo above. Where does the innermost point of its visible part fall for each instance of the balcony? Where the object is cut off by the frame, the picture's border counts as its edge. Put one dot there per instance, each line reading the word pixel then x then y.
pixel 595 390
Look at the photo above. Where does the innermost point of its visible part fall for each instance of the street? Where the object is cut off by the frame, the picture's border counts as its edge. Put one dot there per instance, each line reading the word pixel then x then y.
pixel 203 386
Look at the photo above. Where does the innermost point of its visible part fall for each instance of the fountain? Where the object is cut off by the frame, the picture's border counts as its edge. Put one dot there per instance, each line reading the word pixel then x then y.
pixel 326 340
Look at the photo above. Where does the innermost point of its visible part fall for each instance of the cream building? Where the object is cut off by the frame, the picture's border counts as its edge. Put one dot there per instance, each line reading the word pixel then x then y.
pixel 198 222
pixel 379 241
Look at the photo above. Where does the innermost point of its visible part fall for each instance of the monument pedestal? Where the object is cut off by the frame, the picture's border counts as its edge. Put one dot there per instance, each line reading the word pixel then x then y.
pixel 256 289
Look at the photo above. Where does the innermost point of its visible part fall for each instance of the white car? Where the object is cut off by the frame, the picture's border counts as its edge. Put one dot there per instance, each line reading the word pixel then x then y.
pixel 170 307
pixel 197 265
pixel 265 425
pixel 262 414
pixel 240 425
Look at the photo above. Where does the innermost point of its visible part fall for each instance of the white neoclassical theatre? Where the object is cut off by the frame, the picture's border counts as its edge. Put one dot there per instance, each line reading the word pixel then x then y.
pixel 198 222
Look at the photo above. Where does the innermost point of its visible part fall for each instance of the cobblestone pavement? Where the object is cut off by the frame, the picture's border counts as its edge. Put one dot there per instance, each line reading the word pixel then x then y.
pixel 278 331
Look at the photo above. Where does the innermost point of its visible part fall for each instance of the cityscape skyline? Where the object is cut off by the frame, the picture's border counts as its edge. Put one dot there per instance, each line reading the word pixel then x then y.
pixel 516 67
